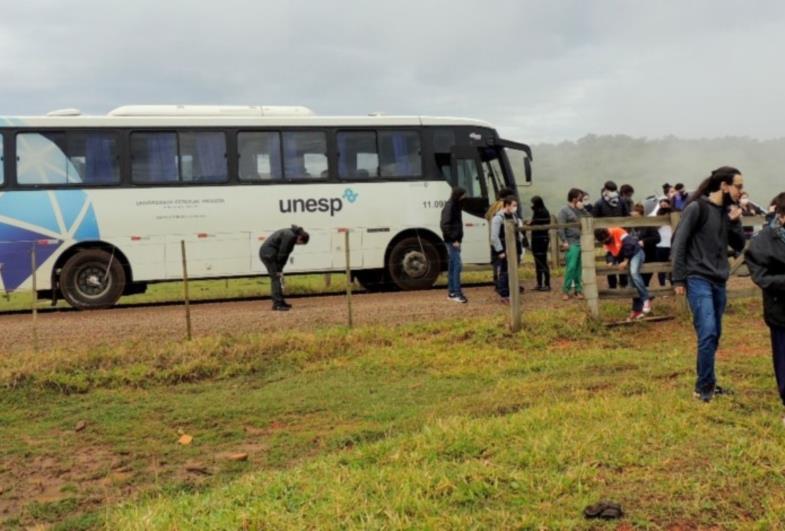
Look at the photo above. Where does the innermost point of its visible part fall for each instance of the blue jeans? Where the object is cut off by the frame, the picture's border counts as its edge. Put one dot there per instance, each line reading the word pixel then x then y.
pixel 707 302
pixel 454 266
pixel 637 280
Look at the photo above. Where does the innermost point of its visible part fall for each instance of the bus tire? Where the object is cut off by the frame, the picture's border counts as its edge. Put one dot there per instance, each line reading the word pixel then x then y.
pixel 373 280
pixel 92 279
pixel 413 263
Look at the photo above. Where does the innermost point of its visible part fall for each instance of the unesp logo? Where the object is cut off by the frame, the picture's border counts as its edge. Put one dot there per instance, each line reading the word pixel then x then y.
pixel 350 195
pixel 321 204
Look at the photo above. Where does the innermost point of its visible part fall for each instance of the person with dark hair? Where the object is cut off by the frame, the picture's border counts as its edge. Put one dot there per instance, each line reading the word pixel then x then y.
pixel 571 243
pixel 588 206
pixel 627 252
pixel 610 205
pixel 274 254
pixel 666 190
pixel 494 209
pixel 539 243
pixel 509 211
pixel 709 224
pixel 766 262
pixel 452 232
pixel 679 197
pixel 626 192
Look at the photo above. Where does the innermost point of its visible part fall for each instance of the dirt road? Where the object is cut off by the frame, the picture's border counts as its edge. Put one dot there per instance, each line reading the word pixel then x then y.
pixel 167 323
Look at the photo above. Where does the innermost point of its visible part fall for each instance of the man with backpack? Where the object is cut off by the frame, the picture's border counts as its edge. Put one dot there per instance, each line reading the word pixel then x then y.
pixel 711 222
pixel 274 254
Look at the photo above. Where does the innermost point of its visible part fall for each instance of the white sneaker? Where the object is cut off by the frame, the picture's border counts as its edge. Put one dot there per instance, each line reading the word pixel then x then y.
pixel 647 306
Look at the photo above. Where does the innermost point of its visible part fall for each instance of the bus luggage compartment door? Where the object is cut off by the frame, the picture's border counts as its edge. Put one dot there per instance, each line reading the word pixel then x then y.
pixel 209 255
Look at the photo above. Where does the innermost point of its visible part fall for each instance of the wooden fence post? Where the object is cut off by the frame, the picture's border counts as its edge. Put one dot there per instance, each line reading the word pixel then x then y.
pixel 185 290
pixel 511 239
pixel 348 278
pixel 554 240
pixel 589 266
pixel 328 280
pixel 33 263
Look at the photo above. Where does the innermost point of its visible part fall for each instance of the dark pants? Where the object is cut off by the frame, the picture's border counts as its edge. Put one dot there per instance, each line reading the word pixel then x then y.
pixel 454 266
pixel 778 354
pixel 275 281
pixel 663 254
pixel 543 270
pixel 707 302
pixel 502 277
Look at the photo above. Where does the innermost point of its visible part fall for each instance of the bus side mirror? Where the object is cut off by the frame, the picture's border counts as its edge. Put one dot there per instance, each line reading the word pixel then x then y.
pixel 527 166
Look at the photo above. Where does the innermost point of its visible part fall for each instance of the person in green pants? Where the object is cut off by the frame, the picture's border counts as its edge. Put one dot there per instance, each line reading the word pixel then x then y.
pixel 572 212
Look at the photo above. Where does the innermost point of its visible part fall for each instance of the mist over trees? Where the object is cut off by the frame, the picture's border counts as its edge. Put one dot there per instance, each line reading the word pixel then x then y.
pixel 648 163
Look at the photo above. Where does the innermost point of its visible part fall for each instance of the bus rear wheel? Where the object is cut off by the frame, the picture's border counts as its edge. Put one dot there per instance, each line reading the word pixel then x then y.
pixel 413 263
pixel 92 279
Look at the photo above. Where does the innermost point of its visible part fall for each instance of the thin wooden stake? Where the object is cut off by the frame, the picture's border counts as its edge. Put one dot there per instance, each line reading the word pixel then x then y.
pixel 328 280
pixel 33 263
pixel 348 278
pixel 510 240
pixel 555 247
pixel 185 290
pixel 589 266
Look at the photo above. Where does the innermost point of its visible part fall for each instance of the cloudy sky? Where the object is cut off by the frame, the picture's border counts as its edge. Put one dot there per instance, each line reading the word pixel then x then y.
pixel 539 70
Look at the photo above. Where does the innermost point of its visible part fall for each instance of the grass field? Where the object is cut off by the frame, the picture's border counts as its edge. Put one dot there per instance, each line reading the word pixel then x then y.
pixel 437 425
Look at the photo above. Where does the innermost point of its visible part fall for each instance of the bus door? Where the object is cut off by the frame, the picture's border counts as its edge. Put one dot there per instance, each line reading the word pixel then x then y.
pixel 467 172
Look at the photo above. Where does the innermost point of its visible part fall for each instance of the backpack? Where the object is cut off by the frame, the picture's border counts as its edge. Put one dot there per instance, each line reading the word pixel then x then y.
pixel 703 216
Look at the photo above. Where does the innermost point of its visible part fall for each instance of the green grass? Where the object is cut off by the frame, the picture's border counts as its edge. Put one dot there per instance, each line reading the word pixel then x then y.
pixel 436 425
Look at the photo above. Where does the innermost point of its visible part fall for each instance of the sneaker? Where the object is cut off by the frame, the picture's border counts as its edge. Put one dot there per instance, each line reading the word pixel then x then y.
pixel 546 288
pixel 504 300
pixel 565 297
pixel 703 396
pixel 281 308
pixel 579 296
pixel 286 305
pixel 722 390
pixel 647 306
pixel 634 316
pixel 458 298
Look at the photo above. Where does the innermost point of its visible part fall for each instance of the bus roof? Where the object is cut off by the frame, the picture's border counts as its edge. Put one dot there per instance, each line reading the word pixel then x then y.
pixel 223 116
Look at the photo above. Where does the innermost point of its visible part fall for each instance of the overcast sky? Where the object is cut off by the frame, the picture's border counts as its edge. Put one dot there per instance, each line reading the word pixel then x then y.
pixel 539 70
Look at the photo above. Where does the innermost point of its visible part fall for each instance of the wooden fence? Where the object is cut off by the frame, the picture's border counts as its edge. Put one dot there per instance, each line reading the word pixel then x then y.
pixel 590 269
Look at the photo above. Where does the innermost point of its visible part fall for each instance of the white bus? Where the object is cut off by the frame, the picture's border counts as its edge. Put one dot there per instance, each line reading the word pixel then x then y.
pixel 104 201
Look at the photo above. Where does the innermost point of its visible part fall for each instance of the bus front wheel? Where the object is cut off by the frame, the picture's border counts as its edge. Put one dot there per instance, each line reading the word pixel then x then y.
pixel 92 279
pixel 413 263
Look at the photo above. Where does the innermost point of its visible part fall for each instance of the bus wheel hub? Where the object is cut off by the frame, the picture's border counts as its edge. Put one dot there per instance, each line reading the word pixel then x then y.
pixel 415 264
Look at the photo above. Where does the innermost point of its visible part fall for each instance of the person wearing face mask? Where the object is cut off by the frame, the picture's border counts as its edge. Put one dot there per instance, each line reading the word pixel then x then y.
pixel 710 223
pixel 611 205
pixel 766 262
pixel 571 243
pixel 509 211
pixel 452 233
pixel 679 197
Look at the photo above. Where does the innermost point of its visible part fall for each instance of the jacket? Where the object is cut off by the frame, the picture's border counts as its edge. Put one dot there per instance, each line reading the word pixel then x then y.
pixel 452 222
pixel 766 262
pixel 540 238
pixel 701 249
pixel 603 209
pixel 650 236
pixel 498 237
pixel 568 214
pixel 623 245
pixel 279 246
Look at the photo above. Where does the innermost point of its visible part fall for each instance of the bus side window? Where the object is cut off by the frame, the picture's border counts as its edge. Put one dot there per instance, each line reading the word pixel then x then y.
pixel 154 158
pixel 305 154
pixel 260 156
pixel 41 159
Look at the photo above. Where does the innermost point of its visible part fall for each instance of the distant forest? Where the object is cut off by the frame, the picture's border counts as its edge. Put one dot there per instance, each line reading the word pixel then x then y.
pixel 647 164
